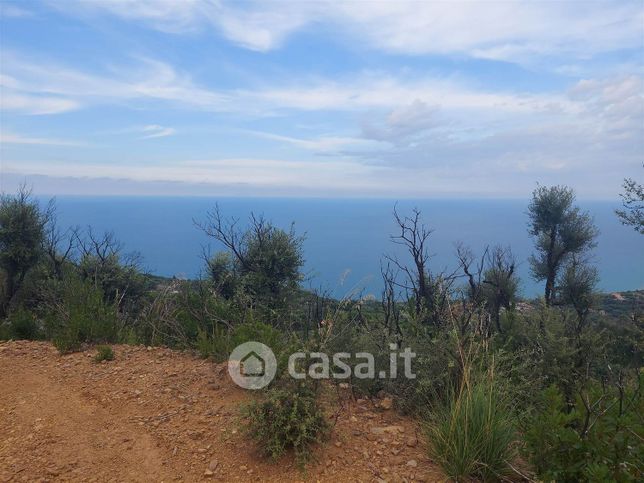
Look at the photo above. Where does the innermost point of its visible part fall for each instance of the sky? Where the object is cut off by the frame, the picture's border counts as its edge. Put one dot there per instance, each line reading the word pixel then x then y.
pixel 392 99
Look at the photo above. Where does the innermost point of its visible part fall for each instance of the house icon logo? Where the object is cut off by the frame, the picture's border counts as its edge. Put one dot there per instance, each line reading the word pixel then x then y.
pixel 252 365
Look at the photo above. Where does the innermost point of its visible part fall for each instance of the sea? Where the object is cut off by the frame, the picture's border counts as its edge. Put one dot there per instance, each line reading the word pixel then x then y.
pixel 346 239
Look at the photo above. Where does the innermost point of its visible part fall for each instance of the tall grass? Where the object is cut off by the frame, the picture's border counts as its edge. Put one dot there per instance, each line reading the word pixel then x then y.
pixel 471 435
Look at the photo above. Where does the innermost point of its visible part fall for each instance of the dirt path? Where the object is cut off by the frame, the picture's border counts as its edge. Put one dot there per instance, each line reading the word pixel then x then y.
pixel 160 415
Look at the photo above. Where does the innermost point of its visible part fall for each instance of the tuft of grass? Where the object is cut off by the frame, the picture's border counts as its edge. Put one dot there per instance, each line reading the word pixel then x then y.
pixel 472 434
pixel 104 353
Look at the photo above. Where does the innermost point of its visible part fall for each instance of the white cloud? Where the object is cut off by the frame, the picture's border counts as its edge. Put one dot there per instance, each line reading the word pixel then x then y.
pixel 37 86
pixel 42 87
pixel 156 131
pixel 319 144
pixel 10 138
pixel 13 11
pixel 11 100
pixel 512 30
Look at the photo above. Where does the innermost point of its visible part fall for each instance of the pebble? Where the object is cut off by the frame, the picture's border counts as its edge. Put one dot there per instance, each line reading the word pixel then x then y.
pixel 412 442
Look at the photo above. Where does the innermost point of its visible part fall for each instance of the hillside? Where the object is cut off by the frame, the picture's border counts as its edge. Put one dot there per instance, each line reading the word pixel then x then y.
pixel 154 414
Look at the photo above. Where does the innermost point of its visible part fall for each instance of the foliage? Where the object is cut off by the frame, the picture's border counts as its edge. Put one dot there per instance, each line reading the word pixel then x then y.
pixel 288 417
pixel 263 262
pixel 632 211
pixel 472 435
pixel 21 234
pixel 83 316
pixel 598 438
pixel 22 324
pixel 560 230
pixel 104 353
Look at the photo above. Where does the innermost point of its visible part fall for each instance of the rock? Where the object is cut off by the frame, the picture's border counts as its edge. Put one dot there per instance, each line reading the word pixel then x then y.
pixel 354 419
pixel 213 465
pixel 243 467
pixel 208 473
pixel 344 385
pixel 412 463
pixel 338 444
pixel 387 429
pixel 387 403
pixel 412 441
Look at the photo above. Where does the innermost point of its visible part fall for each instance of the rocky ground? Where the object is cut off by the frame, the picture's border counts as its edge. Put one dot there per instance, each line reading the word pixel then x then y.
pixel 154 414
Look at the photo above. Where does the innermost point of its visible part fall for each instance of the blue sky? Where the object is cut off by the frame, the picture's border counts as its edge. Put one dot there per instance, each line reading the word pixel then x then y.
pixel 321 98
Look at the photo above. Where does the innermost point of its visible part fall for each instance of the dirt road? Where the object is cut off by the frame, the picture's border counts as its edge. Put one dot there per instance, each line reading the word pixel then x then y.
pixel 154 414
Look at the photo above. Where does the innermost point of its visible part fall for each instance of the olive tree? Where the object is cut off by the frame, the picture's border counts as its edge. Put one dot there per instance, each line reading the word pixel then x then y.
pixel 560 230
pixel 632 211
pixel 266 260
pixel 22 224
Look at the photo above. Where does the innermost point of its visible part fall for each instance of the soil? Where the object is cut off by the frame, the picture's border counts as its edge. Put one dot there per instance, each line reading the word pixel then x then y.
pixel 154 414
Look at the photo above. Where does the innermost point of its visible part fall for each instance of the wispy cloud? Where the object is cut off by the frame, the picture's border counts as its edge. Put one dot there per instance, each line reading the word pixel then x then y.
pixel 44 87
pixel 10 138
pixel 13 11
pixel 25 81
pixel 320 144
pixel 156 131
pixel 512 30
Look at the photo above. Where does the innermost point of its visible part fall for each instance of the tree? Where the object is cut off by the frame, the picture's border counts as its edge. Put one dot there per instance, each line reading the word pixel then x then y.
pixel 632 213
pixel 492 283
pixel 429 292
pixel 58 245
pixel 104 263
pixel 267 260
pixel 500 284
pixel 577 289
pixel 560 230
pixel 21 234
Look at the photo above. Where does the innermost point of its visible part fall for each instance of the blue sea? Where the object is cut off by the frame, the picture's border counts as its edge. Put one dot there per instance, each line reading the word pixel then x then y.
pixel 346 238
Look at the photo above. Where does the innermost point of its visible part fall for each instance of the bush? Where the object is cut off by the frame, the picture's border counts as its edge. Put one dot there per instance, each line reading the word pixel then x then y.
pixel 104 353
pixel 286 418
pixel 22 324
pixel 83 316
pixel 599 440
pixel 472 434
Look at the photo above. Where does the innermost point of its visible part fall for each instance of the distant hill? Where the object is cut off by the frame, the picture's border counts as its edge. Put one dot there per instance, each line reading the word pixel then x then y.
pixel 620 304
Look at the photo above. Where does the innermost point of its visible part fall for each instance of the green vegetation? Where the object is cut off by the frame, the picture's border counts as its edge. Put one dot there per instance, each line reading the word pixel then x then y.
pixel 287 418
pixel 471 435
pixel 104 353
pixel 506 388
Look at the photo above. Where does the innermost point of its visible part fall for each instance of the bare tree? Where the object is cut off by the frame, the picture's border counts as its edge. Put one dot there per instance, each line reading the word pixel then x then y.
pixel 430 292
pixel 473 304
pixel 389 303
pixel 58 245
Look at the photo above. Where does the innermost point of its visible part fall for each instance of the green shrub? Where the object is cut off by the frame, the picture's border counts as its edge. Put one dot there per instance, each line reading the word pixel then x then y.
pixel 599 440
pixel 472 435
pixel 286 418
pixel 83 316
pixel 215 344
pixel 104 353
pixel 22 324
